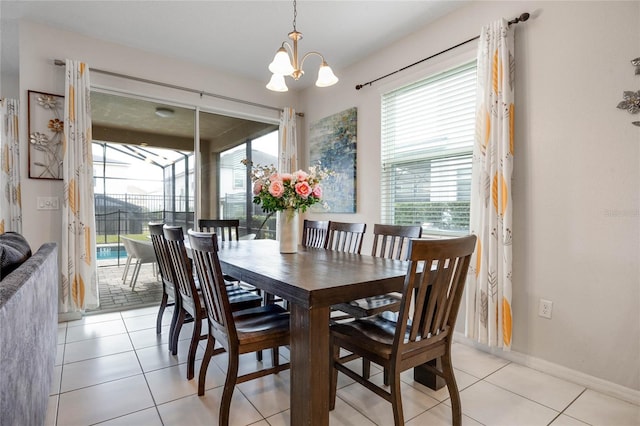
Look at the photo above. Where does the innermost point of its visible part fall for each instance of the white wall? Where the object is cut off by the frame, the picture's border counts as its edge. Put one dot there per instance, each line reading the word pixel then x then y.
pixel 576 191
pixel 39 45
pixel 576 179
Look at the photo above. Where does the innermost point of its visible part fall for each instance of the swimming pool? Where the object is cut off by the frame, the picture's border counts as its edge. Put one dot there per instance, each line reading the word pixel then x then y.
pixel 110 252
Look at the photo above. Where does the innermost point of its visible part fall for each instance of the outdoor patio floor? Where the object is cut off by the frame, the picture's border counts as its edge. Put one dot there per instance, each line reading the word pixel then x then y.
pixel 117 296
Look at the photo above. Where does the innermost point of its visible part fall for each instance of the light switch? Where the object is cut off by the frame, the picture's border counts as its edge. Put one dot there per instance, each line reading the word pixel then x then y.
pixel 48 203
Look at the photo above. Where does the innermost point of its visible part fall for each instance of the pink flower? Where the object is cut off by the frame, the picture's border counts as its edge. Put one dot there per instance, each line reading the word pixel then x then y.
pixel 276 188
pixel 317 191
pixel 286 177
pixel 301 175
pixel 274 176
pixel 303 189
pixel 257 187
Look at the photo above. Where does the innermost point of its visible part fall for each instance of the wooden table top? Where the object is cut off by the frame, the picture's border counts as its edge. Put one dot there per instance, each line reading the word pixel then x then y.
pixel 311 277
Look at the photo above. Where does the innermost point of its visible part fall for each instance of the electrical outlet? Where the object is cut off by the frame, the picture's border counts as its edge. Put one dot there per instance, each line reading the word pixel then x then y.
pixel 48 203
pixel 544 308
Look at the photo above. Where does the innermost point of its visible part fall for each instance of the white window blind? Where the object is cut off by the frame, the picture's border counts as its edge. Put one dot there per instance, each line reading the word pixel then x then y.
pixel 427 143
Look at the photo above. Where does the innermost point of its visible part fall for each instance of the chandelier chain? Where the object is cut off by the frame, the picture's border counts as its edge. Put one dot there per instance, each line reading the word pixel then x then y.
pixel 295 15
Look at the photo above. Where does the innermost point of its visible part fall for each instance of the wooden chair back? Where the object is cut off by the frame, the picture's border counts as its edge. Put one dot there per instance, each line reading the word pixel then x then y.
pixel 227 229
pixel 204 252
pixel 435 282
pixel 392 241
pixel 162 257
pixel 346 237
pixel 182 269
pixel 314 233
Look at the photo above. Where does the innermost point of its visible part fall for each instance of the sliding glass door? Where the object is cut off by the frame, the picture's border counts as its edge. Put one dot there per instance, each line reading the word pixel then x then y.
pixel 235 188
pixel 225 187
pixel 146 166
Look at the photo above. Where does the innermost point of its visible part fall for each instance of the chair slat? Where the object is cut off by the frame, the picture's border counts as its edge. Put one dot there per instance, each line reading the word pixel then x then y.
pixel 314 233
pixel 391 241
pixel 345 237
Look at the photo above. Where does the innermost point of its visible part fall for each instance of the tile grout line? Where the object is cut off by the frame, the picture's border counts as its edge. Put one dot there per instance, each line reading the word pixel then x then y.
pixel 155 405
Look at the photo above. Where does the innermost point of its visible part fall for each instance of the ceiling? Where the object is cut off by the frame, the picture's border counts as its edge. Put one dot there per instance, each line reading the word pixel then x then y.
pixel 134 121
pixel 237 36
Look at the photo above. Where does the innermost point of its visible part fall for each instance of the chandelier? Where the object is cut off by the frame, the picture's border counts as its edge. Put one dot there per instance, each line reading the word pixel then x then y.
pixel 285 65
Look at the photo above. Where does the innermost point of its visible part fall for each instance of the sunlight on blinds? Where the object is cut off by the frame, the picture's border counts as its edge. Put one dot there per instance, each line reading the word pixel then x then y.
pixel 427 144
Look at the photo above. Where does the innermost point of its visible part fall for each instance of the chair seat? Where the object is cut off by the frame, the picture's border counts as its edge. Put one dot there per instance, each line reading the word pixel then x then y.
pixel 369 306
pixel 260 323
pixel 239 297
pixel 379 328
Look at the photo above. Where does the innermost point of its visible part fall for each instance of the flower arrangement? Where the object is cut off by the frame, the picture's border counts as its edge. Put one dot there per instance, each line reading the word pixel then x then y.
pixel 282 191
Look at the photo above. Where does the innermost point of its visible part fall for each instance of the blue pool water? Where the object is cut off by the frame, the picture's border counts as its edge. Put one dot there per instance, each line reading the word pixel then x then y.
pixel 110 252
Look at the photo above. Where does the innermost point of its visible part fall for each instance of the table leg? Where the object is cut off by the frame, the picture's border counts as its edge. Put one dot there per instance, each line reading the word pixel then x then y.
pixel 309 366
pixel 427 378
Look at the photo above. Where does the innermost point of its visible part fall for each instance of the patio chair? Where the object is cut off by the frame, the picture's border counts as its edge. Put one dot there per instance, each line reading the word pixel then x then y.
pixel 141 252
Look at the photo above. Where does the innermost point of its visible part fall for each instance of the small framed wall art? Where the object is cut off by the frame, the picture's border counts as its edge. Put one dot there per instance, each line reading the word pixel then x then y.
pixel 46 126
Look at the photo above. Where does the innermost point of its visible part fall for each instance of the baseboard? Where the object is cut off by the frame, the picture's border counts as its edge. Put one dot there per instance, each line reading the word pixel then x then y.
pixel 591 382
pixel 69 316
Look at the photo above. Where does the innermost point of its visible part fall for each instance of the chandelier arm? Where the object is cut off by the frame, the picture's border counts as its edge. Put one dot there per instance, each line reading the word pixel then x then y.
pixel 309 54
pixel 292 55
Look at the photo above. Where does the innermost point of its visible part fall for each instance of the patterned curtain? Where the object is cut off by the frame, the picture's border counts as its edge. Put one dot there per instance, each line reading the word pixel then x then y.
pixel 288 160
pixel 10 201
pixel 79 289
pixel 489 314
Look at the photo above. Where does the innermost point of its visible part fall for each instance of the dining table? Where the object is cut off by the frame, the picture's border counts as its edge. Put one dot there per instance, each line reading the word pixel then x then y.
pixel 311 280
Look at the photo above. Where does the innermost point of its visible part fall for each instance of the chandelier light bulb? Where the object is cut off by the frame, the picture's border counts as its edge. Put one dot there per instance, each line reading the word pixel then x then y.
pixel 281 63
pixel 277 83
pixel 326 77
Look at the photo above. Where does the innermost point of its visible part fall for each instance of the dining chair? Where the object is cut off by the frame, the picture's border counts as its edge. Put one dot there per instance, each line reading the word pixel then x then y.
pixel 169 297
pixel 314 233
pixel 191 303
pixel 421 331
pixel 346 237
pixel 389 242
pixel 239 332
pixel 227 230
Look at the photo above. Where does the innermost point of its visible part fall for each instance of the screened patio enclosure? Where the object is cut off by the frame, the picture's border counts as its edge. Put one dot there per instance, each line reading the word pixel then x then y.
pixel 150 165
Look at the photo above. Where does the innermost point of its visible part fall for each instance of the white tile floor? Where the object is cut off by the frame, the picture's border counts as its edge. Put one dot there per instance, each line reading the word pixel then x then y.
pixel 112 369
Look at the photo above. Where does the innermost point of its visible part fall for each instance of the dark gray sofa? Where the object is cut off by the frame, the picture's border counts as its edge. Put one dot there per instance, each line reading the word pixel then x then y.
pixel 28 337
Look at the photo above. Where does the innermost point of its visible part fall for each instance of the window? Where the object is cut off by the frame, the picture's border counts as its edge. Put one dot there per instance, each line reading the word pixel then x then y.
pixel 427 144
pixel 235 196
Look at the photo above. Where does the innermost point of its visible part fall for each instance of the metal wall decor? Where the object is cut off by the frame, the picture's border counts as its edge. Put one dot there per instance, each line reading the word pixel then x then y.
pixel 46 127
pixel 631 99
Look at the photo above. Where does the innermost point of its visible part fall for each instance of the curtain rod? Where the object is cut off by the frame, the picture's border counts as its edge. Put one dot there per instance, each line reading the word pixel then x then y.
pixel 523 17
pixel 60 62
